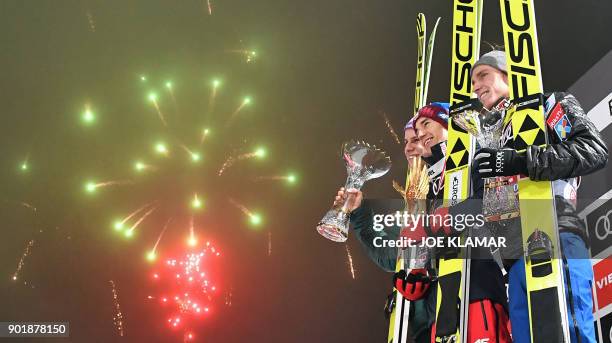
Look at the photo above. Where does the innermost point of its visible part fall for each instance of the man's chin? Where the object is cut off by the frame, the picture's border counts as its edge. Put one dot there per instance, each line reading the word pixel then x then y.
pixel 488 104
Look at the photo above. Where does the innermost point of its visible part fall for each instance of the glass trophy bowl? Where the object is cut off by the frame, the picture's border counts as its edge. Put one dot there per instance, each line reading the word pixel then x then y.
pixel 486 126
pixel 500 199
pixel 363 162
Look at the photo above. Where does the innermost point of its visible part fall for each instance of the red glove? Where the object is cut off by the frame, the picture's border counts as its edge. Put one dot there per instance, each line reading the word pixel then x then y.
pixel 415 233
pixel 437 221
pixel 413 286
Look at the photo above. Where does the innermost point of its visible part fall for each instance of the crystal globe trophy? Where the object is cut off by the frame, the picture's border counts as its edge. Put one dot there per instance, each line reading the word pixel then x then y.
pixel 363 162
pixel 500 199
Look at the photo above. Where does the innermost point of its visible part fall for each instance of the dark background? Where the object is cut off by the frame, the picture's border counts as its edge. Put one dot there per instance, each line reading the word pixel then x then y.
pixel 324 71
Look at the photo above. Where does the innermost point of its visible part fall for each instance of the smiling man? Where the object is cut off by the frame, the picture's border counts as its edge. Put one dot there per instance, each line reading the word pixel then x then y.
pixel 430 126
pixel 574 151
pixel 413 148
pixel 490 80
pixel 421 315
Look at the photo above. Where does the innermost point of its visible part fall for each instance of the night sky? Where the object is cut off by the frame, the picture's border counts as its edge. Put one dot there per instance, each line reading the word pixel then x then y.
pixel 324 71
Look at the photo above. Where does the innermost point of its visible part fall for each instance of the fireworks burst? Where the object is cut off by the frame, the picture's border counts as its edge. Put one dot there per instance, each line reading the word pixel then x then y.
pixel 192 241
pixel 209 7
pixel 140 166
pixel 185 285
pixel 170 87
pixel 213 95
pixel 166 148
pixel 249 55
pixel 246 101
pixel 350 261
pixel 228 298
pixel 130 231
pixel 29 206
pixel 118 316
pixel 390 128
pixel 119 225
pixel 186 290
pixel 21 263
pixel 289 178
pixel 205 133
pixel 254 218
pixel 92 187
pixel 152 255
pixel 88 117
pixel 269 243
pixel 21 203
pixel 153 99
pixel 258 153
pixel 193 155
pixel 25 166
pixel 90 20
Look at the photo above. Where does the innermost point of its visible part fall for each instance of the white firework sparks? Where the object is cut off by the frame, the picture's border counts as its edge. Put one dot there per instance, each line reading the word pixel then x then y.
pixel 118 316
pixel 350 261
pixel 21 263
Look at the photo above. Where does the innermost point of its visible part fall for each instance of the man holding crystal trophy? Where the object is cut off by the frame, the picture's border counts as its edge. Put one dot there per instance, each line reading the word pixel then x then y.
pixel 425 144
pixel 575 151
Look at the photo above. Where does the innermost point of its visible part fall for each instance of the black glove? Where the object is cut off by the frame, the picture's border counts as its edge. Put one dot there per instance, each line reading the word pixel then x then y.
pixel 503 162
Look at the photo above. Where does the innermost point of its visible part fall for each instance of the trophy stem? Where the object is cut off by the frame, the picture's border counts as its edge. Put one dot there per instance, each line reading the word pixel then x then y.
pixel 344 207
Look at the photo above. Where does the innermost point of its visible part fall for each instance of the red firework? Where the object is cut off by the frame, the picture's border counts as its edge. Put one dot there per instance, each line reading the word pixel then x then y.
pixel 185 288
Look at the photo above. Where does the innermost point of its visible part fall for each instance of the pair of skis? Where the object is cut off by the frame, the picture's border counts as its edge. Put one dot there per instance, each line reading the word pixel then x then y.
pixel 398 323
pixel 543 259
pixel 540 237
pixel 452 298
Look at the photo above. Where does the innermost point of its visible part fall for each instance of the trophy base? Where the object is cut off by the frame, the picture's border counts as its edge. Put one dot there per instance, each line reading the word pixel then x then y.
pixel 331 232
pixel 500 200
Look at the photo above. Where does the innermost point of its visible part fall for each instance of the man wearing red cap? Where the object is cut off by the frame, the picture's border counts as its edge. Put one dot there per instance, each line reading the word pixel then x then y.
pixel 487 312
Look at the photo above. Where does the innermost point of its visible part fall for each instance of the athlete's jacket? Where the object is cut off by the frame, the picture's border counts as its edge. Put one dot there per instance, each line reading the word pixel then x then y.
pixel 362 217
pixel 423 311
pixel 575 149
pixel 486 281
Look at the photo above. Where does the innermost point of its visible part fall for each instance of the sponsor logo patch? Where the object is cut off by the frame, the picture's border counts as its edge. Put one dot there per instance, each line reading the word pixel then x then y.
pixel 555 115
pixel 558 121
pixel 598 228
pixel 507 138
pixel 563 128
pixel 603 282
pixel 456 183
pixel 503 105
